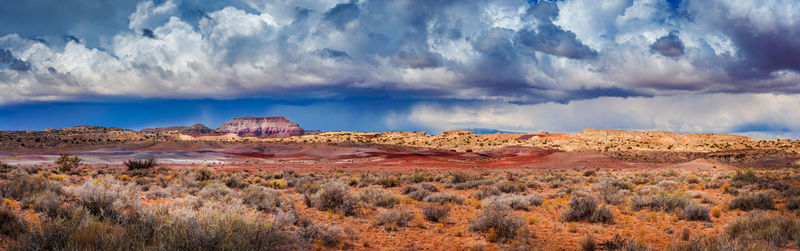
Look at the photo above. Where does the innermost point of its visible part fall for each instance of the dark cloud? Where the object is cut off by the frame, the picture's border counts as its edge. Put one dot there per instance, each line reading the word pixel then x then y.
pixel 71 38
pixel 553 40
pixel 417 59
pixel 331 53
pixel 668 46
pixel 148 33
pixel 13 62
pixel 544 10
pixel 342 14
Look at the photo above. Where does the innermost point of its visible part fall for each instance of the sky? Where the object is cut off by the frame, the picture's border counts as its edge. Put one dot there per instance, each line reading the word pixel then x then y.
pixel 717 66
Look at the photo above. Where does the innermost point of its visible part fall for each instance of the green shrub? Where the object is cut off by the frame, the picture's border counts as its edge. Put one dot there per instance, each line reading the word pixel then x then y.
pixel 66 162
pixel 141 164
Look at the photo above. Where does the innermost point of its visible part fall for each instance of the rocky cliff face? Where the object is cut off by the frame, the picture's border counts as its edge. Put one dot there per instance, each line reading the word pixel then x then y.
pixel 267 127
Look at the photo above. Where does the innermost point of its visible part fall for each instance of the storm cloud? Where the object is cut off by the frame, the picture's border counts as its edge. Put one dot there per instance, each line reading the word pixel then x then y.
pixel 514 52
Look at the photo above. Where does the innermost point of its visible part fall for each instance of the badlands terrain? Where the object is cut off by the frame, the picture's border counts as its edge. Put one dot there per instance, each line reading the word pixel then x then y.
pixel 268 184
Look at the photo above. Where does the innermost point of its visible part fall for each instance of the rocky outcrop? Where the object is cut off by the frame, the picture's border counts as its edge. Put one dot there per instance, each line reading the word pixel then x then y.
pixel 194 130
pixel 266 127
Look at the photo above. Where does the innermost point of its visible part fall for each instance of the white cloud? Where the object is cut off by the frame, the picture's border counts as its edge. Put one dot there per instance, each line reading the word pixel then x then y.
pixel 717 113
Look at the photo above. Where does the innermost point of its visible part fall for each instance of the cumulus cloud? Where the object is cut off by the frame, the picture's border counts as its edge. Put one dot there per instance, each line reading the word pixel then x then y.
pixel 522 52
pixel 669 45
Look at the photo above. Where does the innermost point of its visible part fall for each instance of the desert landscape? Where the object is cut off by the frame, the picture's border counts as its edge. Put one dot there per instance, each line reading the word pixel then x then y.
pixel 267 184
pixel 400 125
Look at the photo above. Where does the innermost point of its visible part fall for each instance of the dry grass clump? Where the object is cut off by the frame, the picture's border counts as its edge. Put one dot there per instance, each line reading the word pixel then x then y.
pixel 334 196
pixel 435 213
pixel 311 232
pixel 214 191
pixel 665 201
pixel 265 199
pixel 377 197
pixel 750 201
pixel 695 212
pixel 11 224
pixel 586 209
pixel 392 219
pixel 444 198
pixel 497 223
pixel 515 202
pixel 777 230
pixel 24 185
pixel 793 203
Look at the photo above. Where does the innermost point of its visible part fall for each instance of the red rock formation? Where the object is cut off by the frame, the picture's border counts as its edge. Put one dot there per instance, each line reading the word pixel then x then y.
pixel 267 127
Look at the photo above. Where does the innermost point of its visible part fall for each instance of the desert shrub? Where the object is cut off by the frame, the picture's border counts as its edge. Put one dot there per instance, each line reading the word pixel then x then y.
pixel 66 162
pixel 620 243
pixel 444 198
pixel 307 186
pixel 140 164
pixel 418 177
pixel 11 224
pixel 107 199
pixel 434 212
pixel 310 232
pixel 793 203
pixel 47 202
pixel 429 187
pixel 376 197
pixel 485 192
pixel 387 181
pixel 750 201
pixel 264 199
pixel 515 202
pixel 695 212
pixel 587 243
pixel 610 193
pixel 214 190
pixel 535 199
pixel 668 185
pixel 459 177
pixel 204 173
pixel 27 185
pixel 420 194
pixel 586 209
pixel 334 196
pixel 509 187
pixel 774 229
pixel 391 219
pixel 219 227
pixel 497 223
pixel 746 177
pixel 236 181
pixel 666 201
